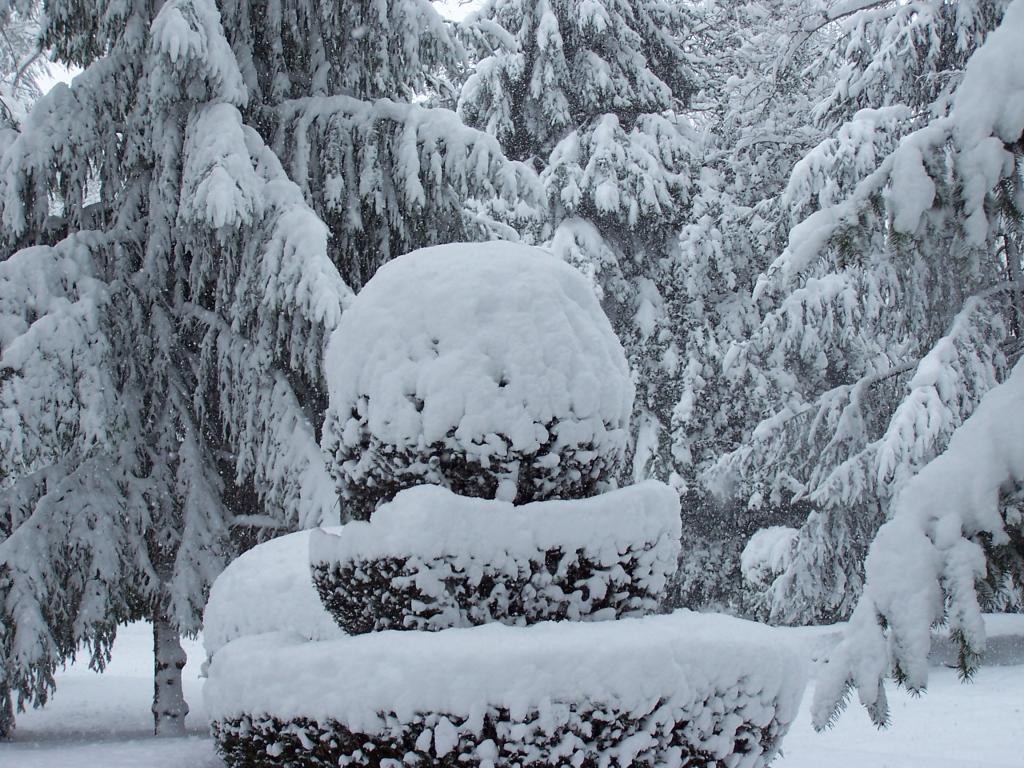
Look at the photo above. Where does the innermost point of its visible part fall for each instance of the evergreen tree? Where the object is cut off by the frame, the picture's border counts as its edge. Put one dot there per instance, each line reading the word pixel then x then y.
pixel 175 416
pixel 589 94
pixel 342 92
pixel 21 65
pixel 893 305
pixel 754 122
pixel 955 529
pixel 154 360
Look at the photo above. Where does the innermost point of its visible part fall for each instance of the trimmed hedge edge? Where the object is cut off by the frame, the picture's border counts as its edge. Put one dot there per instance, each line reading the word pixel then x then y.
pixel 412 594
pixel 567 735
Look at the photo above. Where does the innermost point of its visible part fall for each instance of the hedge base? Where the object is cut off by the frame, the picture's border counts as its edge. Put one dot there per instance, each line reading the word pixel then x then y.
pixel 435 741
pixel 669 691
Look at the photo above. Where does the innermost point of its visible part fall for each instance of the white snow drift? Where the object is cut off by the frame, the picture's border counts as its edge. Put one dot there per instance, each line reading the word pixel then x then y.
pixel 267 589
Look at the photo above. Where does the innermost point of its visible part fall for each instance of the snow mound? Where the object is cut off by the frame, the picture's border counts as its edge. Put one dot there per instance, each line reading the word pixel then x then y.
pixel 488 368
pixel 431 559
pixel 767 554
pixel 268 588
pixel 657 690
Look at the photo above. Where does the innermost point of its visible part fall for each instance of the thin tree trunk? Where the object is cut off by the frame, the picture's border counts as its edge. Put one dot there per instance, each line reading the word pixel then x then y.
pixel 6 712
pixel 1013 266
pixel 169 706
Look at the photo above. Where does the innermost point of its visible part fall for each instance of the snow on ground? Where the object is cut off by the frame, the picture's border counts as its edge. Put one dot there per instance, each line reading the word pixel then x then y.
pixel 980 725
pixel 104 720
pixel 97 721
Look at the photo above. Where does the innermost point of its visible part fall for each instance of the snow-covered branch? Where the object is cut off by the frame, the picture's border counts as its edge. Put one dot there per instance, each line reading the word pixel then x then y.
pixel 924 564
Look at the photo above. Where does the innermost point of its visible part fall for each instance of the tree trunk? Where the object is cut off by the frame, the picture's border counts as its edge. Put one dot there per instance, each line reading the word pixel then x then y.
pixel 1013 266
pixel 6 712
pixel 169 706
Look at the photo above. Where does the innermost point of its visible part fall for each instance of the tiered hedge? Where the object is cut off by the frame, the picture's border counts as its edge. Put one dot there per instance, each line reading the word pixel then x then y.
pixel 432 560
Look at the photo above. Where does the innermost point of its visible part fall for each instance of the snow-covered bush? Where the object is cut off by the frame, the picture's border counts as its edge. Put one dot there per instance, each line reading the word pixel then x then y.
pixel 679 690
pixel 430 559
pixel 490 371
pixel 487 368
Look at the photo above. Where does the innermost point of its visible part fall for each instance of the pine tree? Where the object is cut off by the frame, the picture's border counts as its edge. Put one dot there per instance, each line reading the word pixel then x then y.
pixel 20 66
pixel 754 122
pixel 589 94
pixel 892 307
pixel 343 95
pixel 176 416
pixel 156 360
pixel 955 526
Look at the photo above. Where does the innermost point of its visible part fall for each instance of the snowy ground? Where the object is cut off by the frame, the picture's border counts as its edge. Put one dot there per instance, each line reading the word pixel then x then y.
pixel 104 720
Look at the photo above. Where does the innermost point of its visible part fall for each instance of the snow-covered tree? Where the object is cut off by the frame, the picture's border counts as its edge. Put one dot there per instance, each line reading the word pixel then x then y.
pixel 342 91
pixel 926 563
pixel 754 122
pixel 390 177
pixel 194 284
pixel 895 303
pixel 960 515
pixel 160 363
pixel 22 63
pixel 588 93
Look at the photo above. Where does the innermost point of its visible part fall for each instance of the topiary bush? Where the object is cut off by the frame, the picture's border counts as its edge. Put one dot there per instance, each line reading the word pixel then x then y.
pixel 485 368
pixel 488 370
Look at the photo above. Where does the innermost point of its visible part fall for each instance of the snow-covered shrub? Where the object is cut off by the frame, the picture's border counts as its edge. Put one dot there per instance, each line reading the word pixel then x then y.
pixel 430 559
pixel 487 368
pixel 490 371
pixel 680 690
pixel 267 589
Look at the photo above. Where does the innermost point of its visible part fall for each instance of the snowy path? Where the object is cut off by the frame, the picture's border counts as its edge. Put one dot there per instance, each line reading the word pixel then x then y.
pixel 104 721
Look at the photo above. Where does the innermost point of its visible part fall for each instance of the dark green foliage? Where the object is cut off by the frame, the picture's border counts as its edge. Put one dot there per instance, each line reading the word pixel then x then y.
pixel 378 594
pixel 257 742
pixel 373 472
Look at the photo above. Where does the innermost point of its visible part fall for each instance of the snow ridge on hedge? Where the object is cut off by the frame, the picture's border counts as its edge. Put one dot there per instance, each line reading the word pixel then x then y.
pixel 431 559
pixel 431 522
pixel 267 589
pixel 731 686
